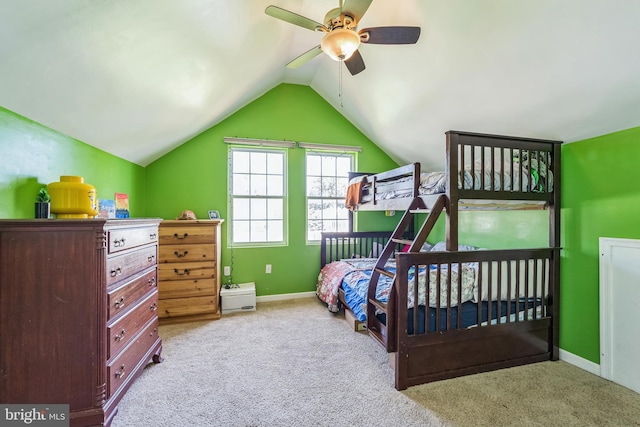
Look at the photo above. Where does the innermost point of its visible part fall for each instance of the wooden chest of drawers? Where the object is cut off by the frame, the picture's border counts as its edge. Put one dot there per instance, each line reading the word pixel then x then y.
pixel 189 270
pixel 78 312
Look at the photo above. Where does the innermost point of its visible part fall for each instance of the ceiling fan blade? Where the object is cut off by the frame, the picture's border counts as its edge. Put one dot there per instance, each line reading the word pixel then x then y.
pixel 355 64
pixel 307 56
pixel 390 35
pixel 293 18
pixel 356 8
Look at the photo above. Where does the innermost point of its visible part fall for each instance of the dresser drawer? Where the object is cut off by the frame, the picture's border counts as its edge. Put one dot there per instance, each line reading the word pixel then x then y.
pixel 125 328
pixel 122 366
pixel 127 238
pixel 187 253
pixel 184 234
pixel 188 288
pixel 128 294
pixel 177 307
pixel 187 270
pixel 124 265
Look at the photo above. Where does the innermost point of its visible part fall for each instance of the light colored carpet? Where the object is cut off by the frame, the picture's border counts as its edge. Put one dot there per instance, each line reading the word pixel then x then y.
pixel 293 363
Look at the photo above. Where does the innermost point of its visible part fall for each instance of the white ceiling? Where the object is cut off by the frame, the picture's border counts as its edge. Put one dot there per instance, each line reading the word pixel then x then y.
pixel 136 78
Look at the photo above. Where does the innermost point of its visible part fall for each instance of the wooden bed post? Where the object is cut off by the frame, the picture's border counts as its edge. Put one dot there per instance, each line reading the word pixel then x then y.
pixel 451 191
pixel 554 242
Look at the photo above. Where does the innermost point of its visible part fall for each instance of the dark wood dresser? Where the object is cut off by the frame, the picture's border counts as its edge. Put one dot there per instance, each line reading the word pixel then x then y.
pixel 78 312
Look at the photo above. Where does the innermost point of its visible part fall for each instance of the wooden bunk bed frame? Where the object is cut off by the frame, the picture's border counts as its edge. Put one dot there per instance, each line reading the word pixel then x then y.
pixel 451 351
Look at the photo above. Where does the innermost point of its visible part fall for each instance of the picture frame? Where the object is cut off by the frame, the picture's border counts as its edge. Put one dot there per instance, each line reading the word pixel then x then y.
pixel 214 215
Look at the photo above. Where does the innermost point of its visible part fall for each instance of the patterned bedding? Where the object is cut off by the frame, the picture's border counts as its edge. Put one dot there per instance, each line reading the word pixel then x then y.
pixel 533 175
pixel 353 276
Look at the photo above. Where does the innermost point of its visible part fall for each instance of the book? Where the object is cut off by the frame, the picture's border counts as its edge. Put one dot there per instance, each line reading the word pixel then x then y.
pixel 106 208
pixel 122 205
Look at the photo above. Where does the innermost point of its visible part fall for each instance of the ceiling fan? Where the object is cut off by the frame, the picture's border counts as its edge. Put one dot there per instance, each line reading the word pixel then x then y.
pixel 341 37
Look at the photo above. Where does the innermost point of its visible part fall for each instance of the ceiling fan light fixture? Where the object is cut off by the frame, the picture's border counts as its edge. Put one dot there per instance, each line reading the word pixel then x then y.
pixel 340 44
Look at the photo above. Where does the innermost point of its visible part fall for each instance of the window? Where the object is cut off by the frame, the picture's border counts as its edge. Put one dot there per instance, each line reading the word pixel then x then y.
pixel 257 192
pixel 327 180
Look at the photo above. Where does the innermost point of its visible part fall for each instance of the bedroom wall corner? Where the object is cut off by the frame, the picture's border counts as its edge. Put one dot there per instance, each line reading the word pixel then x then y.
pixel 600 197
pixel 34 155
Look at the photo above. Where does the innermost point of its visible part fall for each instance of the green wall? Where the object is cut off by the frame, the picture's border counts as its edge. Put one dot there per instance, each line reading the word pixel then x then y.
pixel 194 176
pixel 600 198
pixel 33 155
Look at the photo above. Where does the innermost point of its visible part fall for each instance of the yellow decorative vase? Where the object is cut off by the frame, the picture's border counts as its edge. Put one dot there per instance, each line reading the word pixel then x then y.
pixel 72 198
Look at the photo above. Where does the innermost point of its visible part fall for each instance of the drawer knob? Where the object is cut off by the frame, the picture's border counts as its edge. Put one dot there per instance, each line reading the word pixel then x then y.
pixel 118 242
pixel 152 281
pixel 120 336
pixel 121 372
pixel 150 258
pixel 181 255
pixel 153 236
pixel 185 272
pixel 184 236
pixel 154 306
pixel 119 303
pixel 116 272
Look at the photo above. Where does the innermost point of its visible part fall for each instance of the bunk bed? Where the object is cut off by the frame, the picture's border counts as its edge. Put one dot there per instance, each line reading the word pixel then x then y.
pixel 508 311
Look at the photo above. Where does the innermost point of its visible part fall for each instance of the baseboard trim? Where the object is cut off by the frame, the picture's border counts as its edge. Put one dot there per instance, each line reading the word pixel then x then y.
pixel 282 297
pixel 581 363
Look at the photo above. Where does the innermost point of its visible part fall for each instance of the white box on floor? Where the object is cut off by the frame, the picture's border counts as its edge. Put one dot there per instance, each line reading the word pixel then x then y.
pixel 241 297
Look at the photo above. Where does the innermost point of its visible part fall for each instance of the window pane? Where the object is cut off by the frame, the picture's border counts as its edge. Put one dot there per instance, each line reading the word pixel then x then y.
pixel 275 185
pixel 274 231
pixel 258 162
pixel 329 209
pixel 343 225
pixel 314 186
pixel 240 185
pixel 258 185
pixel 341 187
pixel 258 209
pixel 240 161
pixel 274 209
pixel 241 231
pixel 314 165
pixel 315 226
pixel 328 165
pixel 240 209
pixel 315 234
pixel 343 166
pixel 329 187
pixel 314 209
pixel 259 231
pixel 275 163
pixel 343 213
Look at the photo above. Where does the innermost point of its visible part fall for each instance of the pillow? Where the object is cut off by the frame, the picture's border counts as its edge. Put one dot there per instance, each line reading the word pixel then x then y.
pixel 442 246
pixel 426 247
pixel 376 250
pixel 536 286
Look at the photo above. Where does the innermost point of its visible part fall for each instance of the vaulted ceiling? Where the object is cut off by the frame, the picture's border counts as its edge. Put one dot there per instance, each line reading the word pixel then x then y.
pixel 136 78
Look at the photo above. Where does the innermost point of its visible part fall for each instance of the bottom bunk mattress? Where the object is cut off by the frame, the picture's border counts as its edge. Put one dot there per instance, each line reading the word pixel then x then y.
pixel 353 275
pixel 491 312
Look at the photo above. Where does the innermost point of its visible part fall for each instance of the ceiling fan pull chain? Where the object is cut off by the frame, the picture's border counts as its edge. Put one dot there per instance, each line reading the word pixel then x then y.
pixel 340 83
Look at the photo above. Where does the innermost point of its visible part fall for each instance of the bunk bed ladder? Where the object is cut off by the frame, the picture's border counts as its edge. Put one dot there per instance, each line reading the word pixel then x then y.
pixel 385 332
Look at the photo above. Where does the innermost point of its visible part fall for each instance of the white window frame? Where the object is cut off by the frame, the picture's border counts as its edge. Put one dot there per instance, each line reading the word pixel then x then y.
pixel 340 198
pixel 234 216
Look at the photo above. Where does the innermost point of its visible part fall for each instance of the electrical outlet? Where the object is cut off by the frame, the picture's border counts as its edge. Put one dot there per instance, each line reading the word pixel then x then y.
pixel 268 269
pixel 227 270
